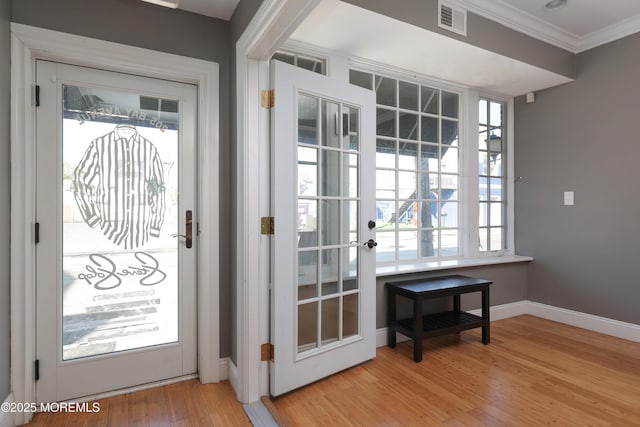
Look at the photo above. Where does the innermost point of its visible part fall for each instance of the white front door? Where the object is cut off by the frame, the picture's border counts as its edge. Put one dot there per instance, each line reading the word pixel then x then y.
pixel 116 208
pixel 323 261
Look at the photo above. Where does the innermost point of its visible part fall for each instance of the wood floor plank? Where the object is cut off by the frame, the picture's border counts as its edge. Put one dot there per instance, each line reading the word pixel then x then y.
pixel 100 417
pixel 117 412
pixel 158 414
pixel 137 409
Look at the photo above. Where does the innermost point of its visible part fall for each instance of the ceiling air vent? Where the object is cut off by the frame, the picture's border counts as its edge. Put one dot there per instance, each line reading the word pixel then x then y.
pixel 452 18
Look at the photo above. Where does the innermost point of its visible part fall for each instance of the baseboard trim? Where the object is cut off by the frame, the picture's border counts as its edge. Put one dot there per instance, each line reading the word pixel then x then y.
pixel 504 311
pixel 233 375
pixel 7 419
pixel 224 368
pixel 382 337
pixel 616 328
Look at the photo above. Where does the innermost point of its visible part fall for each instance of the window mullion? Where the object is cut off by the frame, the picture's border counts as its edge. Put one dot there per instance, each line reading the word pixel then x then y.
pixel 470 176
pixel 510 180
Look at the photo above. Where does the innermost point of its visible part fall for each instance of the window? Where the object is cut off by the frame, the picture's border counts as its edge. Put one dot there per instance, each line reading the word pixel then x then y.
pixel 417 169
pixel 492 183
pixel 317 65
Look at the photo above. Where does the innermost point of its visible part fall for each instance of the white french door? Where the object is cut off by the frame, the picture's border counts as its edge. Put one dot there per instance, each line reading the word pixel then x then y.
pixel 323 199
pixel 116 252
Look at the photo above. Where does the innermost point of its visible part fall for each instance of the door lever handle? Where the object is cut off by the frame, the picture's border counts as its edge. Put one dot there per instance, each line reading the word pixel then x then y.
pixel 189 224
pixel 370 243
pixel 189 230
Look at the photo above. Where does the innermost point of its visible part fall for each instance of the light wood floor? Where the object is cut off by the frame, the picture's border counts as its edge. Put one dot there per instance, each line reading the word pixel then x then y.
pixel 534 372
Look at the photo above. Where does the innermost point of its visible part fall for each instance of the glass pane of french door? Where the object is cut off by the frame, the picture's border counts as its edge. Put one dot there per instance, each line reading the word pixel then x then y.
pixel 328 235
pixel 119 222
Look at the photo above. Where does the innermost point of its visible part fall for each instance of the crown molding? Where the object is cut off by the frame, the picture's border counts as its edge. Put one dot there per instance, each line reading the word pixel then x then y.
pixel 611 33
pixel 523 22
pixel 503 13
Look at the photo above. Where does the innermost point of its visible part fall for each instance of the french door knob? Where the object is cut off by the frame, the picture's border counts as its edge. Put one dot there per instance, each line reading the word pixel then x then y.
pixel 371 243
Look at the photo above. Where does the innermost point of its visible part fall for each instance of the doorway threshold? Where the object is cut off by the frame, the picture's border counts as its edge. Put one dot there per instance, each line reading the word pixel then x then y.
pixel 259 414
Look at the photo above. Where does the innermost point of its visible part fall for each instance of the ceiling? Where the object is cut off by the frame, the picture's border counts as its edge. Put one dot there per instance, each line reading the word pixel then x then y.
pixel 577 26
pixel 222 9
pixel 365 36
pixel 361 34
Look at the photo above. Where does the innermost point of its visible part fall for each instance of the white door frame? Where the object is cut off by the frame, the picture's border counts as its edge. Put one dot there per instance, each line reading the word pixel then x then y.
pixel 31 43
pixel 272 24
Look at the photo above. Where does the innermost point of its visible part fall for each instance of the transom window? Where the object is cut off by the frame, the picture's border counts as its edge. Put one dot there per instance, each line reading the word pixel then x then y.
pixel 311 63
pixel 417 169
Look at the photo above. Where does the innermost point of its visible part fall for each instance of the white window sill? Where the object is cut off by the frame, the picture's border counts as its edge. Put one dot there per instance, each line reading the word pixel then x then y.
pixel 391 270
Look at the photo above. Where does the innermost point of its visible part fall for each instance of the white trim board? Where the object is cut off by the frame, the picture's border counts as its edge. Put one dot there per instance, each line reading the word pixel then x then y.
pixel 31 43
pixel 233 375
pixel 7 418
pixel 628 331
pixel 223 369
pixel 272 24
pixel 603 325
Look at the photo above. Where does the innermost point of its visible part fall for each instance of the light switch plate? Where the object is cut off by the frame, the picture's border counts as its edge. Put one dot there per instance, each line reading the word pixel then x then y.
pixel 568 198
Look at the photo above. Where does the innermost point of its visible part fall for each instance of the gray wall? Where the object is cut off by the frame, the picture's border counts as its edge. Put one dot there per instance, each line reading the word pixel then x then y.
pixel 481 32
pixel 173 31
pixel 5 220
pixel 509 285
pixel 243 14
pixel 583 137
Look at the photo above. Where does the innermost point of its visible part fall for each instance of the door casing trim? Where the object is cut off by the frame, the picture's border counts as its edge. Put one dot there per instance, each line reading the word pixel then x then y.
pixel 31 43
pixel 269 28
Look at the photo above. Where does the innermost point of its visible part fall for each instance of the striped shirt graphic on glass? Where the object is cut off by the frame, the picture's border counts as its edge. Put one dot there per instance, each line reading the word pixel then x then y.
pixel 119 185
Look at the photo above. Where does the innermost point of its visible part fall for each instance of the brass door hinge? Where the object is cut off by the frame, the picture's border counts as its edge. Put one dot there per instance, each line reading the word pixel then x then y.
pixel 266 352
pixel 267 98
pixel 267 225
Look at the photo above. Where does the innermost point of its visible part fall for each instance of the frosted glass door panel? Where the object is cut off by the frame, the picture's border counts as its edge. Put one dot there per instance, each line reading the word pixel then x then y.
pixel 120 210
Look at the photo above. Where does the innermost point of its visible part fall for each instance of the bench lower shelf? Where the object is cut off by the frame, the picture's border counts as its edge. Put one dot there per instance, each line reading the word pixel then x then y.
pixel 439 324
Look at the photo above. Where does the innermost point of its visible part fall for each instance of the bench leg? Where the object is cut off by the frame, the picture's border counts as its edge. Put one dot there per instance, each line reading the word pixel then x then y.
pixel 391 317
pixel 486 338
pixel 417 330
pixel 456 306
